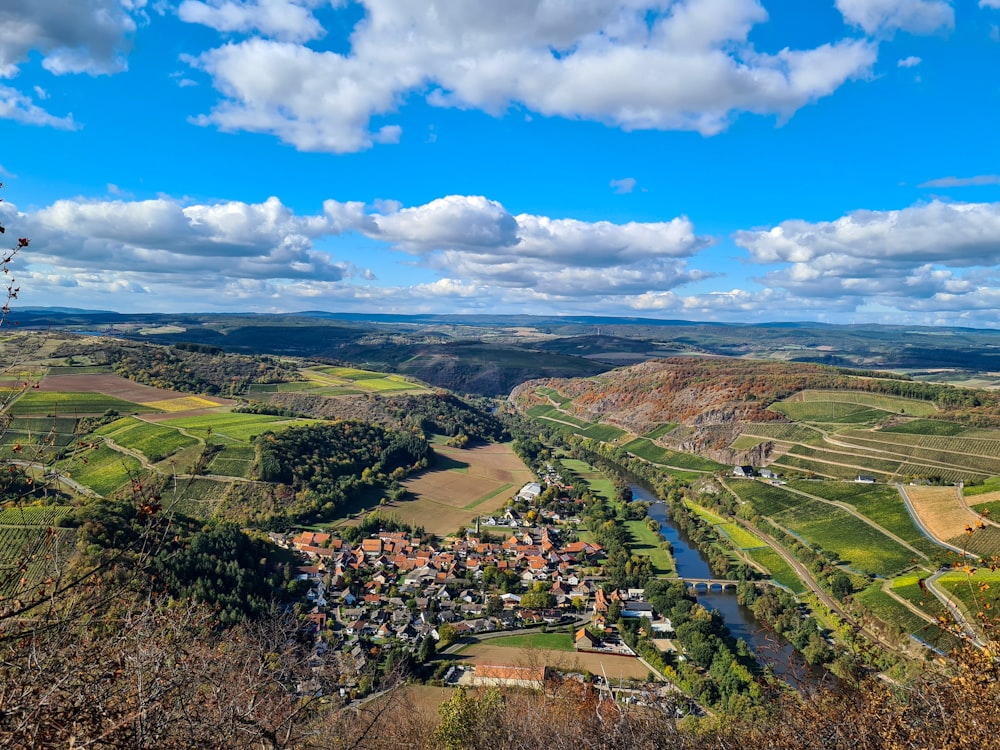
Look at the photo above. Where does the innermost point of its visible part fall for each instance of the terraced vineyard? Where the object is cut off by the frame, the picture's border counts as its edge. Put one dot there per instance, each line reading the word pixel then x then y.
pixel 35 552
pixel 155 441
pixel 859 545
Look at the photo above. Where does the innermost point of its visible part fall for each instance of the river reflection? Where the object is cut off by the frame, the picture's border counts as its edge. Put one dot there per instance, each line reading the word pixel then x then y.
pixel 770 648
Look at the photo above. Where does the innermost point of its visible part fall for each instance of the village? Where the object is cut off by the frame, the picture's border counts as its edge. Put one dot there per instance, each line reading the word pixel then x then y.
pixel 510 572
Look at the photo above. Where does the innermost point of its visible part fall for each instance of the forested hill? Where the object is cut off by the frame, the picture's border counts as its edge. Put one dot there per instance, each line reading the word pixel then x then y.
pixel 697 391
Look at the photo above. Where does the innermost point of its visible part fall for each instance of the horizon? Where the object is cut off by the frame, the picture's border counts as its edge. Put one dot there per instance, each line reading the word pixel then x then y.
pixel 710 161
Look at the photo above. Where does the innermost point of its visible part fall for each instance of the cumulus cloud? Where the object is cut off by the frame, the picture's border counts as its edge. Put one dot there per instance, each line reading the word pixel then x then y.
pixel 989 4
pixel 468 242
pixel 887 16
pixel 92 37
pixel 289 20
pixel 636 65
pixel 78 37
pixel 477 239
pixel 909 62
pixel 200 243
pixel 925 257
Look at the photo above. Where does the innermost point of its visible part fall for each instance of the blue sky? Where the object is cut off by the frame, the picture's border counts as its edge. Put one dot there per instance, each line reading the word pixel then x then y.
pixel 733 160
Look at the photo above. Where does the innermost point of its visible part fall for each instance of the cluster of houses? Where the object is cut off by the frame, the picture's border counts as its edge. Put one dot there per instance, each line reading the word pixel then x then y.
pixel 393 587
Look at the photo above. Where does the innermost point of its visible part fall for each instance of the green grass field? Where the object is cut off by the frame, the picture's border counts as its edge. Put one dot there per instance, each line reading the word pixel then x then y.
pixel 656 454
pixel 780 570
pixel 233 461
pixel 101 469
pixel 604 432
pixel 830 411
pixel 233 427
pixel 926 427
pixel 884 402
pixel 155 441
pixel 646 543
pixel 598 483
pixel 548 641
pixel 73 404
pixel 784 432
pixel 547 411
pixel 660 431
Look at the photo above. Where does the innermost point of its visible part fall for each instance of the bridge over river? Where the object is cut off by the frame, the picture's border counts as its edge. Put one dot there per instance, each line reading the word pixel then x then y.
pixel 705 584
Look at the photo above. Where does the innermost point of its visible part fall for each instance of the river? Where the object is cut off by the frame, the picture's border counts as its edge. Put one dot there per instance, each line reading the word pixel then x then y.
pixel 770 648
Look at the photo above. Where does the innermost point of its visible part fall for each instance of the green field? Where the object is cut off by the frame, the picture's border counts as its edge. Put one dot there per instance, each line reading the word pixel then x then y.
pixel 233 427
pixel 784 432
pixel 884 402
pixel 646 543
pixel 829 411
pixel 650 451
pixel 598 483
pixel 66 404
pixel 979 592
pixel 101 469
pixel 857 544
pixel 604 432
pixel 740 537
pixel 907 586
pixel 547 411
pixel 926 427
pixel 155 441
pixel 233 460
pixel 553 395
pixel 899 618
pixel 548 641
pixel 989 485
pixel 881 503
pixel 39 553
pixel 32 515
pixel 660 431
pixel 780 570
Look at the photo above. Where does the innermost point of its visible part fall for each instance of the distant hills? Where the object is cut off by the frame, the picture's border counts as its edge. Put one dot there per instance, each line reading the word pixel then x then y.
pixel 490 354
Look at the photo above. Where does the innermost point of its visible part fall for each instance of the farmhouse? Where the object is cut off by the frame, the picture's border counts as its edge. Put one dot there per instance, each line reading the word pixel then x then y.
pixel 743 471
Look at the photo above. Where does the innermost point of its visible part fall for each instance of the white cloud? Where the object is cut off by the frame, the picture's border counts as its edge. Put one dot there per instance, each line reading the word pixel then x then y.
pixel 477 239
pixel 909 62
pixel 925 257
pixel 16 106
pixel 71 37
pixel 199 243
pixel 886 16
pixel 639 64
pixel 79 37
pixel 949 182
pixel 624 185
pixel 469 242
pixel 989 4
pixel 288 20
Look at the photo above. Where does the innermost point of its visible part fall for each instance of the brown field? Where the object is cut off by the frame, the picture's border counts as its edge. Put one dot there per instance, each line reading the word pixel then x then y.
pixel 625 667
pixel 941 510
pixel 986 497
pixel 119 387
pixel 445 499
